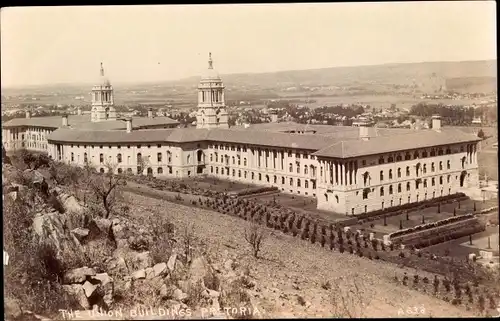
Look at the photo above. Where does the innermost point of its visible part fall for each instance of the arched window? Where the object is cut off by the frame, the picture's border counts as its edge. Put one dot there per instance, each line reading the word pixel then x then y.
pixel 381 160
pixel 399 158
pixel 119 158
pixel 283 180
pixel 72 157
pixel 381 191
pixel 306 184
pixel 211 157
pixel 233 160
pixel 298 182
pixel 291 181
pixel 399 172
pixel 275 179
pixel 159 157
pixel 239 173
pixel 440 166
pixel 425 183
pixel 381 175
pixel 432 167
pixel 441 180
pixel 253 175
pixel 189 159
pixel 290 167
pixel 390 174
pixel 415 155
pixel 101 158
pixel 390 189
pixel 139 157
pixel 326 197
pixel 433 182
pixel 448 164
pixel 267 178
pixel 244 161
pixel 424 170
pixel 407 170
pixel 424 154
pixel 85 159
pixel 260 176
pixel 399 188
pixel 160 170
pixel 408 186
pixel 101 170
pixel 305 169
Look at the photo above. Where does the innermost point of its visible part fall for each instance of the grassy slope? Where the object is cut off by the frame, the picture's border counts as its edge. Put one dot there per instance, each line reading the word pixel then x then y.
pixel 306 264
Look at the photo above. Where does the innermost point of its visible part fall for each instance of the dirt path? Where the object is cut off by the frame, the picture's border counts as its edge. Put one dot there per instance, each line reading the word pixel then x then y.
pixel 307 265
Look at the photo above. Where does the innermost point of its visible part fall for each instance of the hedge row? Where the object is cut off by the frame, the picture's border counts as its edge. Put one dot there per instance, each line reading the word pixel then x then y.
pixel 255 190
pixel 397 210
pixel 431 225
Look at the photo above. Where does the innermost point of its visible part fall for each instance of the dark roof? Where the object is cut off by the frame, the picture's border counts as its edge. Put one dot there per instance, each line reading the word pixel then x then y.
pixel 394 143
pixel 84 122
pixel 326 146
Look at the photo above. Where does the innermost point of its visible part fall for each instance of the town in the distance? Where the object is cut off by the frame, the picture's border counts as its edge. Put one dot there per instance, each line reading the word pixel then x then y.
pixel 363 163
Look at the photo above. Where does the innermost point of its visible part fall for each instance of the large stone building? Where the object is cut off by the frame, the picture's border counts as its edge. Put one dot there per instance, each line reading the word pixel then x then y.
pixel 347 169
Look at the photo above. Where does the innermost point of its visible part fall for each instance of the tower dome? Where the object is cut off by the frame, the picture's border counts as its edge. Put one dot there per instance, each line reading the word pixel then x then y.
pixel 103 80
pixel 210 73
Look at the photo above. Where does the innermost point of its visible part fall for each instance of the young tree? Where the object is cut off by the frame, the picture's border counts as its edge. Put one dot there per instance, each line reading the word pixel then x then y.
pixel 254 236
pixel 106 188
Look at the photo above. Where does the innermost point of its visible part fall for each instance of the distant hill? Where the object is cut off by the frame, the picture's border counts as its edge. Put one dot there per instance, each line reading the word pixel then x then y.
pixel 472 84
pixel 423 74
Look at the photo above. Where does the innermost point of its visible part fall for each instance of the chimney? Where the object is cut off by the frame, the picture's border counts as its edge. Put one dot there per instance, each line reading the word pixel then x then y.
pixel 436 123
pixel 129 125
pixel 150 112
pixel 79 111
pixel 363 133
pixel 28 114
pixel 65 120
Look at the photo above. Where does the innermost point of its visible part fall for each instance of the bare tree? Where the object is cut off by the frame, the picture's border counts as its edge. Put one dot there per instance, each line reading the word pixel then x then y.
pixel 254 237
pixel 348 297
pixel 142 163
pixel 105 188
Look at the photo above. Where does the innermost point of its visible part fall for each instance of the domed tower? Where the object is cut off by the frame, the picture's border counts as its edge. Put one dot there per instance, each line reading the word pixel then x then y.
pixel 212 111
pixel 103 100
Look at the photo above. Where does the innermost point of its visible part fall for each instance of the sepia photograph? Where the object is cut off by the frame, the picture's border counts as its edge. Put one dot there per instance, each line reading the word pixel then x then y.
pixel 250 161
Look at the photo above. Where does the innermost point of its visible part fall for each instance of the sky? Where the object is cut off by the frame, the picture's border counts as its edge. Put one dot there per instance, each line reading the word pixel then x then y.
pixel 49 45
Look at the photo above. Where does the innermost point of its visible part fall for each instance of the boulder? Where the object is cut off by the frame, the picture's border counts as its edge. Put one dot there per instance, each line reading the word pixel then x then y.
pixel 171 262
pixel 107 286
pixel 80 233
pixel 160 269
pixel 52 228
pixel 228 265
pixel 179 295
pixel 118 266
pixel 12 309
pixel 120 231
pixel 139 274
pixel 71 204
pixel 77 291
pixel 150 273
pixel 198 269
pixel 103 224
pixel 89 288
pixel 78 275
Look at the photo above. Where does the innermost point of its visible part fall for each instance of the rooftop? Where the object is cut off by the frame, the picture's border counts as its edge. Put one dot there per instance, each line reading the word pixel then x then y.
pixel 340 145
pixel 84 122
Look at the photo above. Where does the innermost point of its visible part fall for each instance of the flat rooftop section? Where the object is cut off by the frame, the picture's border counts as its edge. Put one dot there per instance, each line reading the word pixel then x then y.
pixel 84 122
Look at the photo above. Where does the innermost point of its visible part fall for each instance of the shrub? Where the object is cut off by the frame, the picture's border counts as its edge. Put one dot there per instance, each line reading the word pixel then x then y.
pixel 162 231
pixel 237 296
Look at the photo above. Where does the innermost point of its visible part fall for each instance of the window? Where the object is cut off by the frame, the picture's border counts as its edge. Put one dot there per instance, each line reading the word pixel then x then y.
pixel 390 190
pixel 290 168
pixel 298 183
pixel 391 159
pixel 448 164
pixel 433 182
pixel 381 191
pixel 381 175
pixel 72 157
pixel 425 168
pixel 275 179
pixel 415 155
pixel 101 158
pixel 440 152
pixel 399 158
pixel 283 180
pixel 381 160
pixel 440 166
pixel 408 186
pixel 189 159
pixel 260 176
pixel 253 175
pixel 245 174
pixel 365 193
pixel 159 146
pixel 234 162
pixel 239 160
pixel 159 156
pixel 425 183
pixel 433 153
pixel 305 169
pixel 211 169
pixel 432 167
pixel 424 154
pixel 407 170
pixel 407 156
pixel 119 158
pixel 390 174
pixel 448 151
pixel 363 162
pixel 298 169
pixel 399 172
pixel 139 157
pixel 291 181
pixel 239 173
pixel 234 172
pixel 244 161
pixel 441 180
pixel 85 159
pixel 160 170
pixel 448 178
pixel 306 184
pixel 399 188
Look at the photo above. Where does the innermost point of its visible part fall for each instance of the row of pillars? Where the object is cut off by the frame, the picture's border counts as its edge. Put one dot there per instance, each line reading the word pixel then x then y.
pixel 338 173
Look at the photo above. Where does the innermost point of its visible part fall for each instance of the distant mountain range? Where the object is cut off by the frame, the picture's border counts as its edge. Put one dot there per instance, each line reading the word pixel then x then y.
pixel 463 73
